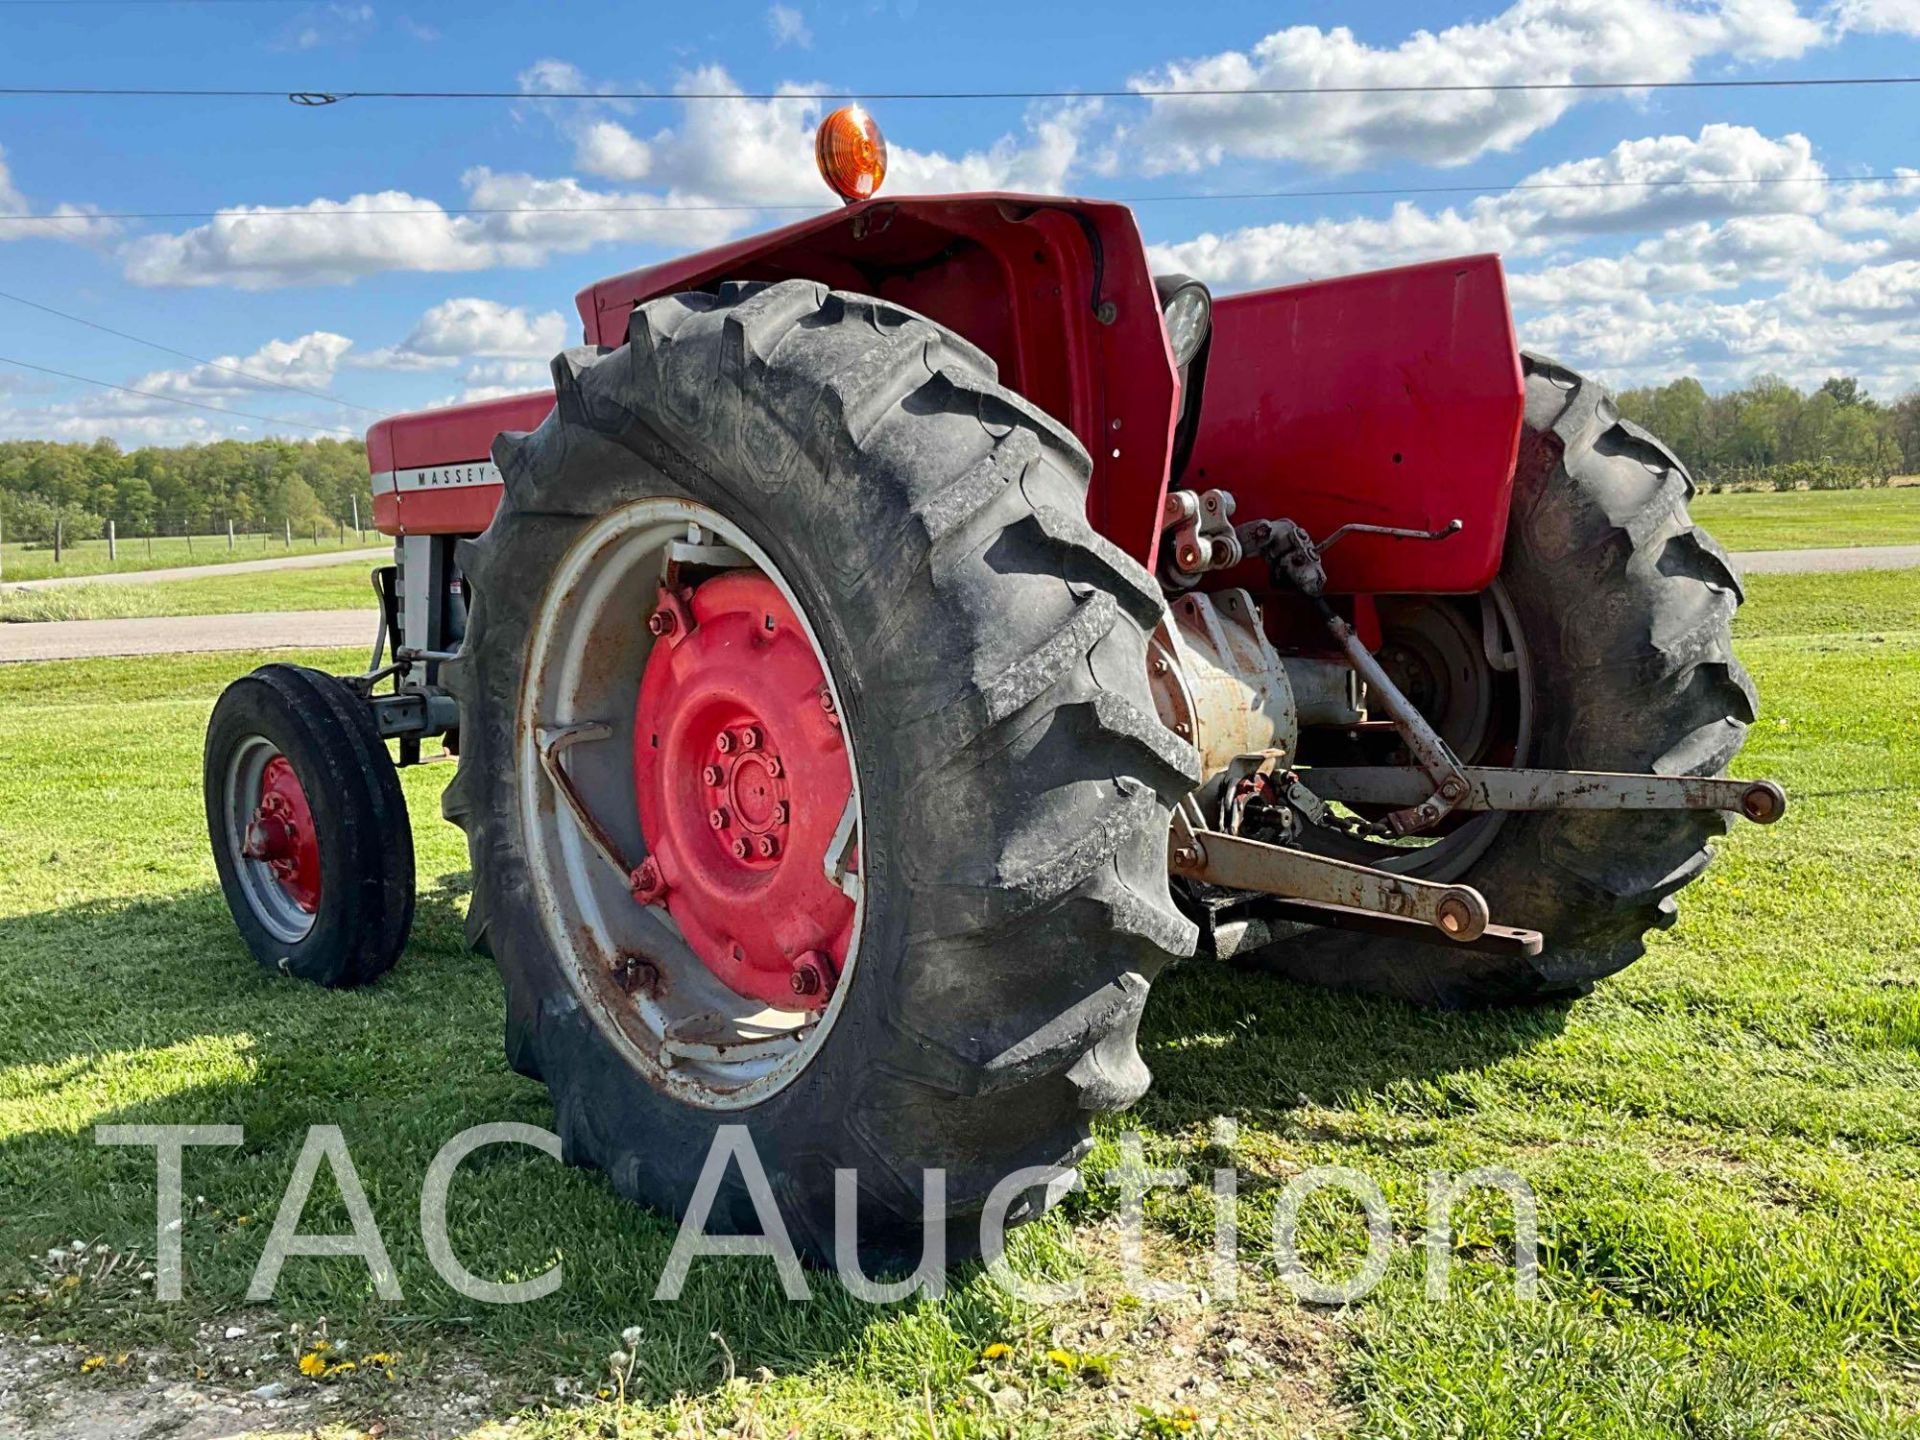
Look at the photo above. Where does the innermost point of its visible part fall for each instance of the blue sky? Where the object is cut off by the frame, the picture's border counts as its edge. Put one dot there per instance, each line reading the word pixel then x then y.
pixel 1714 279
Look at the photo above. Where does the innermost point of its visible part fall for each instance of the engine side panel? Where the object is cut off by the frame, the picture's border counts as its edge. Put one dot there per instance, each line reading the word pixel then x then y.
pixel 1393 398
pixel 433 472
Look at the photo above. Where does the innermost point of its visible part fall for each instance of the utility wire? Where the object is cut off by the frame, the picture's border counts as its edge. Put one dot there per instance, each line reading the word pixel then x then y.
pixel 173 399
pixel 1393 191
pixel 330 97
pixel 196 359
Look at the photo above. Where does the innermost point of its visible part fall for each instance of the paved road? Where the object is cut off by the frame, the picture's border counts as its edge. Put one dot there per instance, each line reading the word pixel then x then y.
pixel 181 634
pixel 207 572
pixel 1800 562
pixel 86 639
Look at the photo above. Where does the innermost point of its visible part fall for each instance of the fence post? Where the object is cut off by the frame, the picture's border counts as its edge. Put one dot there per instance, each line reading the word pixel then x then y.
pixel 3 549
pixel 59 537
pixel 150 543
pixel 289 534
pixel 229 532
pixel 113 545
pixel 356 513
pixel 189 539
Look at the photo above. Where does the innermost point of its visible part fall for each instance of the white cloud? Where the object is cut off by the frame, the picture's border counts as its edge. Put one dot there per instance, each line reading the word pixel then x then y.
pixel 471 328
pixel 1897 17
pixel 1532 41
pixel 761 151
pixel 789 27
pixel 1688 175
pixel 308 362
pixel 337 241
pixel 68 222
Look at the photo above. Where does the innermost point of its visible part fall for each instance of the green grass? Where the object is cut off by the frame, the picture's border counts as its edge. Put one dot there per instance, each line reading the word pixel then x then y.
pixel 1725 1138
pixel 1811 519
pixel 332 587
pixel 89 557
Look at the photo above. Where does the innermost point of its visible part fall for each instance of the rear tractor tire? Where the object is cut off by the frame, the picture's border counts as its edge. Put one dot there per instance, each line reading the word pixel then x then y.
pixel 903 603
pixel 309 827
pixel 1621 610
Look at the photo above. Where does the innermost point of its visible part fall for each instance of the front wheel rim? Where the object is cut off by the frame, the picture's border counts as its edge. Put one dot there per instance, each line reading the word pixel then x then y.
pixel 634 970
pixel 270 839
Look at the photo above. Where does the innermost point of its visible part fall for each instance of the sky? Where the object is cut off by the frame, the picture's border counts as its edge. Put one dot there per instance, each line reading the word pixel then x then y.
pixel 257 254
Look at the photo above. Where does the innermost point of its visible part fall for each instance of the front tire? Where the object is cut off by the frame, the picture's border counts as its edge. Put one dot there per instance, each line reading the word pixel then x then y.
pixel 989 655
pixel 1625 609
pixel 309 827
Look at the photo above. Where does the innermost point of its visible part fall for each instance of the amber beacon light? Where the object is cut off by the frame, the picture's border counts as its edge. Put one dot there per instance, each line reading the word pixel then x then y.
pixel 852 153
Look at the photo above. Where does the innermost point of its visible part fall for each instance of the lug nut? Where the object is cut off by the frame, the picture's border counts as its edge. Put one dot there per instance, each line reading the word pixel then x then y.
pixel 768 847
pixel 717 817
pixel 740 849
pixel 826 701
pixel 749 738
pixel 723 742
pixel 649 886
pixel 713 774
pixel 661 622
pixel 780 812
pixel 811 974
pixel 774 767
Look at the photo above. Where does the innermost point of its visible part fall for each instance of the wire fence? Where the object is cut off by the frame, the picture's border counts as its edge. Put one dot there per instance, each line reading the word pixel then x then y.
pixel 166 542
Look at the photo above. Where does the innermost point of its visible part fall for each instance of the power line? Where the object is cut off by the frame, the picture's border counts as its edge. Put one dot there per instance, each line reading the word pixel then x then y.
pixel 1350 192
pixel 182 354
pixel 173 399
pixel 331 97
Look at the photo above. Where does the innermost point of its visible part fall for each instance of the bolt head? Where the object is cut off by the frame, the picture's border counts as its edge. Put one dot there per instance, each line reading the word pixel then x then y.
pixel 780 812
pixel 768 847
pixel 749 738
pixel 717 817
pixel 713 775
pixel 723 742
pixel 662 622
pixel 826 701
pixel 774 767
pixel 740 849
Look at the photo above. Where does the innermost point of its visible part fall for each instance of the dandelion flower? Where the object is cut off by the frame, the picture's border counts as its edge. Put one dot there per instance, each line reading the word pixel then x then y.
pixel 92 1363
pixel 630 1337
pixel 999 1350
pixel 313 1364
pixel 1065 1359
pixel 618 1360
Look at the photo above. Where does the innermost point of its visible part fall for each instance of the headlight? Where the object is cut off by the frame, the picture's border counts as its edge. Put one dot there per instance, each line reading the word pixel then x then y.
pixel 1187 309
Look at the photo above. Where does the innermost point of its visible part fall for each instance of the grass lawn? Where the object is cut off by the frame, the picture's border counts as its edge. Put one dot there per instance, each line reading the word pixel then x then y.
pixel 1811 519
pixel 89 557
pixel 333 587
pixel 1725 1139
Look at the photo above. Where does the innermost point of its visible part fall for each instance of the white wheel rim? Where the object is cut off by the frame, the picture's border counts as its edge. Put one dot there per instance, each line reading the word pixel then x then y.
pixel 588 647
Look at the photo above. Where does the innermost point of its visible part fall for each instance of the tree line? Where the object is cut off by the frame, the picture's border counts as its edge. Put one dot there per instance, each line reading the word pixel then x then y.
pixel 180 490
pixel 1771 435
pixel 1767 434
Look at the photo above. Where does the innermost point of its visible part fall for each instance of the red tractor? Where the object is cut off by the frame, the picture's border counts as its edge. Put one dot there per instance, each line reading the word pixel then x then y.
pixel 898 635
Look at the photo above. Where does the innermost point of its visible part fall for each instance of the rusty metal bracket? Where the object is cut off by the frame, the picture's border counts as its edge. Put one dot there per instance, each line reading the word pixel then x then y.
pixel 1236 863
pixel 552 741
pixel 1761 801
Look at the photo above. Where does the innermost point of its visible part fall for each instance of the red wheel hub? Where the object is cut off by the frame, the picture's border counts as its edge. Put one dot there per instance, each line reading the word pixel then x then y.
pixel 280 834
pixel 741 777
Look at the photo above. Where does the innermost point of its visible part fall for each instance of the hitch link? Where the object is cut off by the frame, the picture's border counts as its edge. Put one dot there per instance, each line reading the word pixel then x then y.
pixel 1761 801
pixel 1458 912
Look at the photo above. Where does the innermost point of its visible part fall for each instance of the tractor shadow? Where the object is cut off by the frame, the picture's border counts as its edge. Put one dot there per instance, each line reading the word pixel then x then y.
pixel 152 1012
pixel 1231 1041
